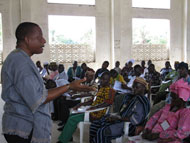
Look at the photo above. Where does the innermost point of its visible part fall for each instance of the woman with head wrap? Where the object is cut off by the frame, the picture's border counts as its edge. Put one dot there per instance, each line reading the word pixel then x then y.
pixel 134 111
pixel 171 123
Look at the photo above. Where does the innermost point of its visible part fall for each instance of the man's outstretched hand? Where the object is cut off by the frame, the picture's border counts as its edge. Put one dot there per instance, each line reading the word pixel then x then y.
pixel 76 85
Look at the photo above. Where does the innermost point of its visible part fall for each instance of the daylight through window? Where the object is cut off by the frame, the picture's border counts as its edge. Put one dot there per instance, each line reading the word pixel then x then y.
pixel 85 2
pixel 72 38
pixel 151 39
pixel 161 4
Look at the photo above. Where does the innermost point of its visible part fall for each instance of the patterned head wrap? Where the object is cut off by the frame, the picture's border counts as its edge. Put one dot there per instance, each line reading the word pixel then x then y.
pixel 142 81
pixel 181 88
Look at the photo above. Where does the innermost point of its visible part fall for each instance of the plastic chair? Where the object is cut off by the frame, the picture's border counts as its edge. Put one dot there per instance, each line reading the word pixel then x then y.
pixel 126 131
pixel 153 94
pixel 87 121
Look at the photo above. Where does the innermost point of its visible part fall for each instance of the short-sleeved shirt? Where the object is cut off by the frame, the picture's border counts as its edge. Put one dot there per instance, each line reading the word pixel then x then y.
pixel 24 94
pixel 118 78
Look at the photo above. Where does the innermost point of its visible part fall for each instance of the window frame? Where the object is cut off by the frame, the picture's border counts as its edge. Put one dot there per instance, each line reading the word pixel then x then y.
pixel 67 3
pixel 146 7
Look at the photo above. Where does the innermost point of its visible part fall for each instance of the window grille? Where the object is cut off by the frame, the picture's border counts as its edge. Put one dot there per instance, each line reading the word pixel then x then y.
pixel 63 53
pixel 154 52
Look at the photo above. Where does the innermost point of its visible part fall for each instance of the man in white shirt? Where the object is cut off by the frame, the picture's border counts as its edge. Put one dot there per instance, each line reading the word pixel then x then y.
pixel 62 74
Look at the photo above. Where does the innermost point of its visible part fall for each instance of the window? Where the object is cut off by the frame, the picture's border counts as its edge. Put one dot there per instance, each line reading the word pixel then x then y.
pixel 151 38
pixel 71 38
pixel 1 40
pixel 85 2
pixel 162 4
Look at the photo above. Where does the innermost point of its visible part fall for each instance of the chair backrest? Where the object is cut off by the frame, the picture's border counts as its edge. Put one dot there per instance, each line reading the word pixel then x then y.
pixel 86 115
pixel 152 94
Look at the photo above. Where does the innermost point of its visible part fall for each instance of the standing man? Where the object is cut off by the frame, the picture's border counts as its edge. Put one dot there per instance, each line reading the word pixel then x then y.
pixel 26 116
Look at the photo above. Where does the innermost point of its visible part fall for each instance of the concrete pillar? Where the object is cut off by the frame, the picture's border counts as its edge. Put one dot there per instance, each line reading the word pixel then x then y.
pixel 103 33
pixel 187 30
pixel 176 31
pixel 126 30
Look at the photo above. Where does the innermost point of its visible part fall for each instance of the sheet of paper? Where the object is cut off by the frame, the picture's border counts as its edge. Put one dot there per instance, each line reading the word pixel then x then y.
pixel 117 87
pixel 76 78
pixel 66 94
pixel 61 82
pixel 81 109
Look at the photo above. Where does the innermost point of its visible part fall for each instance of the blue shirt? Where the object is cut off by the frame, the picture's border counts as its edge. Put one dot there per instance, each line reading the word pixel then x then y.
pixel 24 94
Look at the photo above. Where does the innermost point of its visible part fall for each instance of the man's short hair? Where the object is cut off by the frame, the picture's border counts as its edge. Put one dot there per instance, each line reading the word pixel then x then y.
pixel 137 66
pixel 23 30
pixel 106 62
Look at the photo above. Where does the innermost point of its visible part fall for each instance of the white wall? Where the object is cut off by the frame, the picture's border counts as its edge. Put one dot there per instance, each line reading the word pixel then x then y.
pixel 16 11
pixel 123 28
pixel 187 29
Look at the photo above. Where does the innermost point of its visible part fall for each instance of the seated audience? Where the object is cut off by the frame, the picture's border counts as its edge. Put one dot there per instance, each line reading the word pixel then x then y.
pixel 53 71
pixel 45 70
pixel 171 123
pixel 38 65
pixel 137 73
pixel 124 70
pixel 104 98
pixel 128 69
pixel 170 78
pixel 144 69
pixel 117 68
pixel 62 74
pixel 115 76
pixel 149 63
pixel 161 99
pixel 89 75
pixel 166 70
pixel 134 111
pixel 153 77
pixel 101 70
pixel 119 97
pixel 74 72
pixel 183 71
pixel 64 104
pixel 84 68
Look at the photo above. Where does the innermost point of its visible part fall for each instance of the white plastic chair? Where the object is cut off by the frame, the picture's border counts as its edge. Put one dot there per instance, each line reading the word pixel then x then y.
pixel 153 94
pixel 126 131
pixel 83 99
pixel 87 121
pixel 133 138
